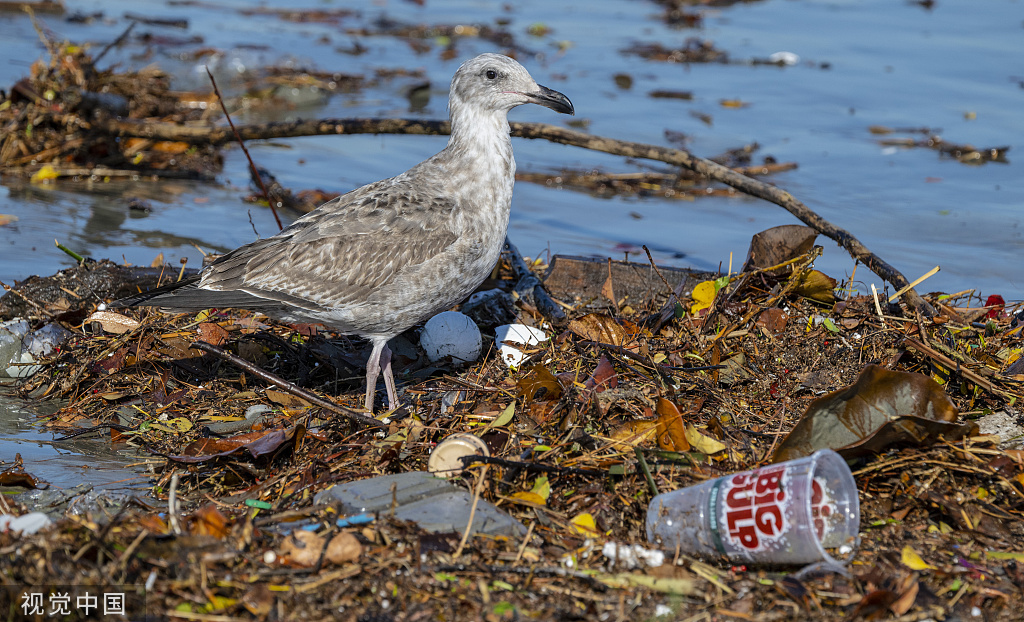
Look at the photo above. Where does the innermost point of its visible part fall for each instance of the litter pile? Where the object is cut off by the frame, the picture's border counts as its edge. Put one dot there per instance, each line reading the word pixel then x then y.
pixel 652 380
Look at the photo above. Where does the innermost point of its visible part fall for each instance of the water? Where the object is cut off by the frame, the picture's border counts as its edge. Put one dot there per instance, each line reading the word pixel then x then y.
pixel 67 464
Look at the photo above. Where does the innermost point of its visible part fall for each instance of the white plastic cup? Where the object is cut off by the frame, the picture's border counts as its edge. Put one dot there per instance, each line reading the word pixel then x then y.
pixel 792 513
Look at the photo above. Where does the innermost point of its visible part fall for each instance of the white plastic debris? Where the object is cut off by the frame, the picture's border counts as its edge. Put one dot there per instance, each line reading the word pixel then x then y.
pixel 15 361
pixel 662 610
pixel 509 334
pixel 47 339
pixel 786 58
pixel 27 524
pixel 632 555
pixel 446 459
pixel 451 334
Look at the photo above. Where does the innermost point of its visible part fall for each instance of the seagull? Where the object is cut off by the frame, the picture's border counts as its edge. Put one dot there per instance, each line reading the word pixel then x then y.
pixel 385 257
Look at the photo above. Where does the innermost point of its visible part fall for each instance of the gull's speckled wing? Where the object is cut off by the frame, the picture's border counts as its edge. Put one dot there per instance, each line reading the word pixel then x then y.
pixel 337 256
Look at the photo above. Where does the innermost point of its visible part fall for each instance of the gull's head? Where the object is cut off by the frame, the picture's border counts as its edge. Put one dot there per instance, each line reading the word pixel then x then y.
pixel 496 83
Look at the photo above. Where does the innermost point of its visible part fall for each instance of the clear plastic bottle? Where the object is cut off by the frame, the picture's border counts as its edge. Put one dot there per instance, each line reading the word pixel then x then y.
pixel 796 512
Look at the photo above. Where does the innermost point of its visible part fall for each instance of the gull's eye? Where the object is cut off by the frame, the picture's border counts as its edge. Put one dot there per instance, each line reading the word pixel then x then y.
pixel 491 74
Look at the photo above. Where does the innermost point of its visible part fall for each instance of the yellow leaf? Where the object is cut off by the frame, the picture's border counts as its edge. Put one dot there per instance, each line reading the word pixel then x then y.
pixel 1019 557
pixel 6 219
pixel 701 443
pixel 912 560
pixel 45 174
pixel 585 524
pixel 529 497
pixel 703 295
pixel 635 432
pixel 542 488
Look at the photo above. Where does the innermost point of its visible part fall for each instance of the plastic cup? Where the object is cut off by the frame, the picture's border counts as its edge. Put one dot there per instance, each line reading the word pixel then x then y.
pixel 792 513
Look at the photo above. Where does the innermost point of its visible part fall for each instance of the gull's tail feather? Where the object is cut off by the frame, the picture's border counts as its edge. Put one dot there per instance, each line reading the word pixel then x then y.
pixel 185 295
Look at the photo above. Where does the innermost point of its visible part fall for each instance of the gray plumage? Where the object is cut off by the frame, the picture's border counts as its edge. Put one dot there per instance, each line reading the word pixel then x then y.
pixel 384 257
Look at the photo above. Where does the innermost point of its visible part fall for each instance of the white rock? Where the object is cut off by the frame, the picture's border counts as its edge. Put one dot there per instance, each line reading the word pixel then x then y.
pixel 508 334
pixel 451 334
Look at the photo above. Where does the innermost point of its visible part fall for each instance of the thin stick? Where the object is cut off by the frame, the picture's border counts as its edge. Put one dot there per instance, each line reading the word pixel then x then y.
pixel 878 307
pixel 472 512
pixel 926 275
pixel 259 178
pixel 172 506
pixel 287 386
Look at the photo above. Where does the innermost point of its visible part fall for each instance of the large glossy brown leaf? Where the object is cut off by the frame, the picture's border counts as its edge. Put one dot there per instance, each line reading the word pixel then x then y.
pixel 671 433
pixel 882 408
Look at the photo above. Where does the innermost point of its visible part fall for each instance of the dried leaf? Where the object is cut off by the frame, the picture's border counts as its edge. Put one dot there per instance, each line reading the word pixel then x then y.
pixel 302 548
pixel 880 409
pixel 703 444
pixel 286 400
pixel 539 378
pixel 777 245
pixel 817 286
pixel 343 548
pixel 209 521
pixel 671 434
pixel 113 322
pixel 256 444
pixel 774 320
pixel 604 376
pixel 530 497
pixel 599 328
pixel 635 432
pixel 212 334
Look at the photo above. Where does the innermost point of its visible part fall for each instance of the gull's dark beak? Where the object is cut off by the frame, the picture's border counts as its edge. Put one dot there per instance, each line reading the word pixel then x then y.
pixel 552 99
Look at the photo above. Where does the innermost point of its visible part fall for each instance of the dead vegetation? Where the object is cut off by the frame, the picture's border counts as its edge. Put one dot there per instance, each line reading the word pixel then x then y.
pixel 622 398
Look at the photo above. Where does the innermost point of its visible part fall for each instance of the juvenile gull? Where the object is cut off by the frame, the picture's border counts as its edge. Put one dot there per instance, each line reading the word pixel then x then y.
pixel 384 257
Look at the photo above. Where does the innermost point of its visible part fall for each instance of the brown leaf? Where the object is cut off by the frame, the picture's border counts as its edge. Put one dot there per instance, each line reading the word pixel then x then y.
pixel 880 409
pixel 286 400
pixel 212 334
pixel 671 433
pixel 209 521
pixel 906 600
pixel 774 320
pixel 608 290
pixel 778 244
pixel 604 376
pixel 539 378
pixel 817 286
pixel 599 328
